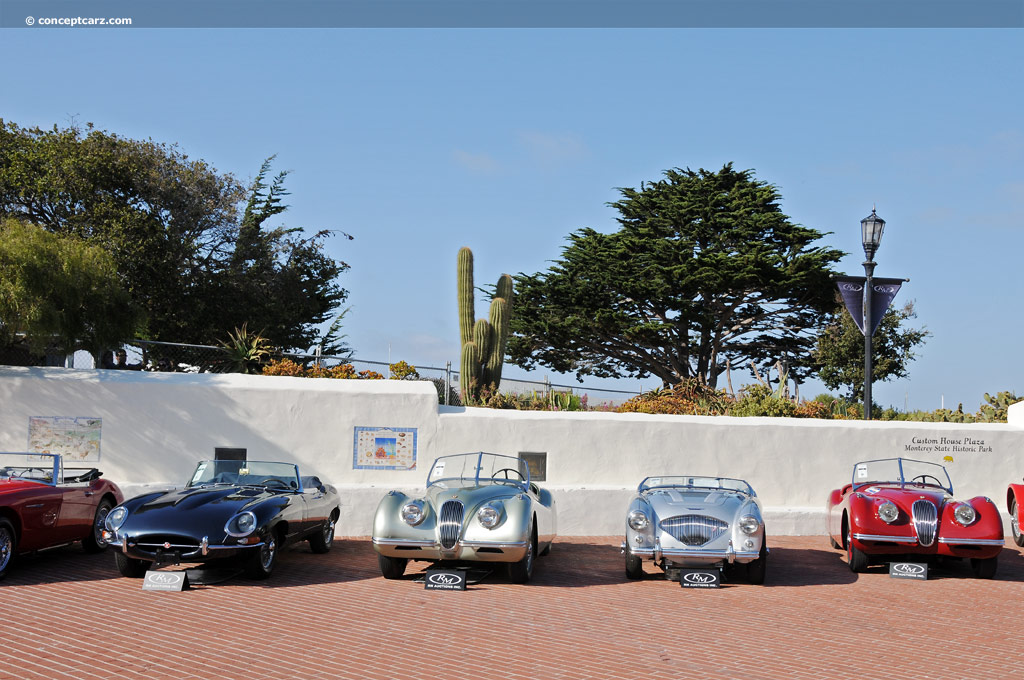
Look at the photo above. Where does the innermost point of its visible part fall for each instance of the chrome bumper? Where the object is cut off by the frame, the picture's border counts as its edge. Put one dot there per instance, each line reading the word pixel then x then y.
pixel 728 555
pixel 912 540
pixel 418 549
pixel 973 541
pixel 152 549
pixel 886 539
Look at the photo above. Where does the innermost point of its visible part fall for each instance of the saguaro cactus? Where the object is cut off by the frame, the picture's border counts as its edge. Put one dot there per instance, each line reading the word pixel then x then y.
pixel 483 341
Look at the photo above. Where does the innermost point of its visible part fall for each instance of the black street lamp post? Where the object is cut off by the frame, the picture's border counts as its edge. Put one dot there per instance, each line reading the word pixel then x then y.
pixel 871 236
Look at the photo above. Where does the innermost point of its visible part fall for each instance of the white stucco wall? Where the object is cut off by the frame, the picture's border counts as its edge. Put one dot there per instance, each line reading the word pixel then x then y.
pixel 156 426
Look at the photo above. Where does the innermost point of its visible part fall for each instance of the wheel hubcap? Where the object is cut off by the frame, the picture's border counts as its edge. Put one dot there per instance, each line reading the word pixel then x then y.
pixel 97 529
pixel 268 553
pixel 5 548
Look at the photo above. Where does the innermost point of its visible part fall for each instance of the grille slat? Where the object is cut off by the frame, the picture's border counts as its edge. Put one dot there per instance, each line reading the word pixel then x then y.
pixel 450 523
pixel 926 520
pixel 695 530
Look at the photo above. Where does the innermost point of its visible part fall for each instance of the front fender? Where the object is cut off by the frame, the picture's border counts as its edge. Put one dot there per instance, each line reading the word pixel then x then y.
pixel 1015 494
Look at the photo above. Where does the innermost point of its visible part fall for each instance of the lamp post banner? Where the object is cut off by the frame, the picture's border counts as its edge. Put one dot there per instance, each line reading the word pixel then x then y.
pixel 851 288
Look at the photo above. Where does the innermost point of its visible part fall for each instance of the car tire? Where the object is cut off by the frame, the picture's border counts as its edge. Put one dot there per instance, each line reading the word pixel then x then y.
pixel 391 567
pixel 984 568
pixel 131 567
pixel 323 539
pixel 1018 537
pixel 757 569
pixel 521 571
pixel 260 565
pixel 835 545
pixel 8 545
pixel 546 551
pixel 634 566
pixel 855 557
pixel 94 542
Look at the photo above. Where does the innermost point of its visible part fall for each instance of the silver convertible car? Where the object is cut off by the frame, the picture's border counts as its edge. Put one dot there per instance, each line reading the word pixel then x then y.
pixel 695 523
pixel 478 507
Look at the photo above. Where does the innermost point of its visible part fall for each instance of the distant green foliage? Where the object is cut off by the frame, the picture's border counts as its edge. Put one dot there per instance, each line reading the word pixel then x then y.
pixel 705 268
pixel 198 252
pixel 839 354
pixel 758 400
pixel 58 291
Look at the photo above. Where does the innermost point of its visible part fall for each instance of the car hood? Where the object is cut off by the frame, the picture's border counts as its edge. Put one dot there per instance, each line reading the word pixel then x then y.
pixel 216 503
pixel 472 496
pixel 905 497
pixel 722 504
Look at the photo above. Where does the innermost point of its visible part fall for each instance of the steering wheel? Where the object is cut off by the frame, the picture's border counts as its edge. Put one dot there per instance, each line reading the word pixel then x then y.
pixel 926 477
pixel 508 470
pixel 276 482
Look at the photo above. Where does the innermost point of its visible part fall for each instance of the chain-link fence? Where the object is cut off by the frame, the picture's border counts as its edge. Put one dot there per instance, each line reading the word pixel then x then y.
pixel 149 355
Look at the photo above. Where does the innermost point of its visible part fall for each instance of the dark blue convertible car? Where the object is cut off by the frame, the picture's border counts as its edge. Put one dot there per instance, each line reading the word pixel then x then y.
pixel 241 510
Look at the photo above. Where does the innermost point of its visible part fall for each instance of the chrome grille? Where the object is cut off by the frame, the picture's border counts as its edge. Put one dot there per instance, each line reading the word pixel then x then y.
pixel 926 519
pixel 694 530
pixel 450 524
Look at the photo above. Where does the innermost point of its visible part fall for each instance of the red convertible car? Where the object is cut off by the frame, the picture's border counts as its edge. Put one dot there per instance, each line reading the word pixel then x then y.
pixel 43 505
pixel 898 509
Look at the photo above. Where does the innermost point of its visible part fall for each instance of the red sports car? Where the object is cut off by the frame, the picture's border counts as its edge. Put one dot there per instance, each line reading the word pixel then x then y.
pixel 904 509
pixel 43 505
pixel 1015 504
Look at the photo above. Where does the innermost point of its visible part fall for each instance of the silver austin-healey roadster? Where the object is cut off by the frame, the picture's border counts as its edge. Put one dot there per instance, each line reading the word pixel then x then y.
pixel 478 507
pixel 695 523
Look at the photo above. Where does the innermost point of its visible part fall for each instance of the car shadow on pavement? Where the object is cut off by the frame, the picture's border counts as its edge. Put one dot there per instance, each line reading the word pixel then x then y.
pixel 1011 567
pixel 58 565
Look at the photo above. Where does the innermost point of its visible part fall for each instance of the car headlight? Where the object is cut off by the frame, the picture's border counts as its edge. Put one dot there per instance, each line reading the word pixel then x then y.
pixel 115 518
pixel 412 513
pixel 749 524
pixel 489 515
pixel 888 512
pixel 242 524
pixel 964 514
pixel 637 520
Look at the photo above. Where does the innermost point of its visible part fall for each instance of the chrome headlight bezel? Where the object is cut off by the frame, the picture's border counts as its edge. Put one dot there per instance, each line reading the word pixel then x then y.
pixel 638 520
pixel 965 514
pixel 749 524
pixel 115 518
pixel 413 513
pixel 489 514
pixel 241 525
pixel 888 512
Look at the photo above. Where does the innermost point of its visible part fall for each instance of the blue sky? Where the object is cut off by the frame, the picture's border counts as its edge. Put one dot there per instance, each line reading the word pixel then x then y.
pixel 418 142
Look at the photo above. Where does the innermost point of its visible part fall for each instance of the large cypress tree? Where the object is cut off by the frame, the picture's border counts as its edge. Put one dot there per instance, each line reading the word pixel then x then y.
pixel 704 268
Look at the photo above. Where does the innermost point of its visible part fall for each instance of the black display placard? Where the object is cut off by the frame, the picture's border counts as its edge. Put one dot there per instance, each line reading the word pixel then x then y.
pixel 916 571
pixel 165 580
pixel 699 578
pixel 445 579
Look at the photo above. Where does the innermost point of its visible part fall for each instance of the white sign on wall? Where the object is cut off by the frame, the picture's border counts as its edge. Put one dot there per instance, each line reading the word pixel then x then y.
pixel 76 439
pixel 384 448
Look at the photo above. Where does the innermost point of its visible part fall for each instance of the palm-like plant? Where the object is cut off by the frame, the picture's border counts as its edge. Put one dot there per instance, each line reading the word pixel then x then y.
pixel 244 352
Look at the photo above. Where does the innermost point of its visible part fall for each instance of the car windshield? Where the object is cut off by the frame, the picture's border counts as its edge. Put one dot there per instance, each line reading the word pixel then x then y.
pixel 477 469
pixel 901 471
pixel 246 473
pixel 696 482
pixel 42 468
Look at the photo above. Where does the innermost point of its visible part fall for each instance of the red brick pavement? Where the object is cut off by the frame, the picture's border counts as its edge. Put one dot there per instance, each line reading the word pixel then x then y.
pixel 68 615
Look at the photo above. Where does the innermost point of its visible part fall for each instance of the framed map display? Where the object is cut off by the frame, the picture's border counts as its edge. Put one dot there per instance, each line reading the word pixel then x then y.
pixel 384 448
pixel 74 438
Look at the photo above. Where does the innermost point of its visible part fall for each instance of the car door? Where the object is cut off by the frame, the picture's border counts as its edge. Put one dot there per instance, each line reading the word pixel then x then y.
pixel 39 509
pixel 317 510
pixel 78 508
